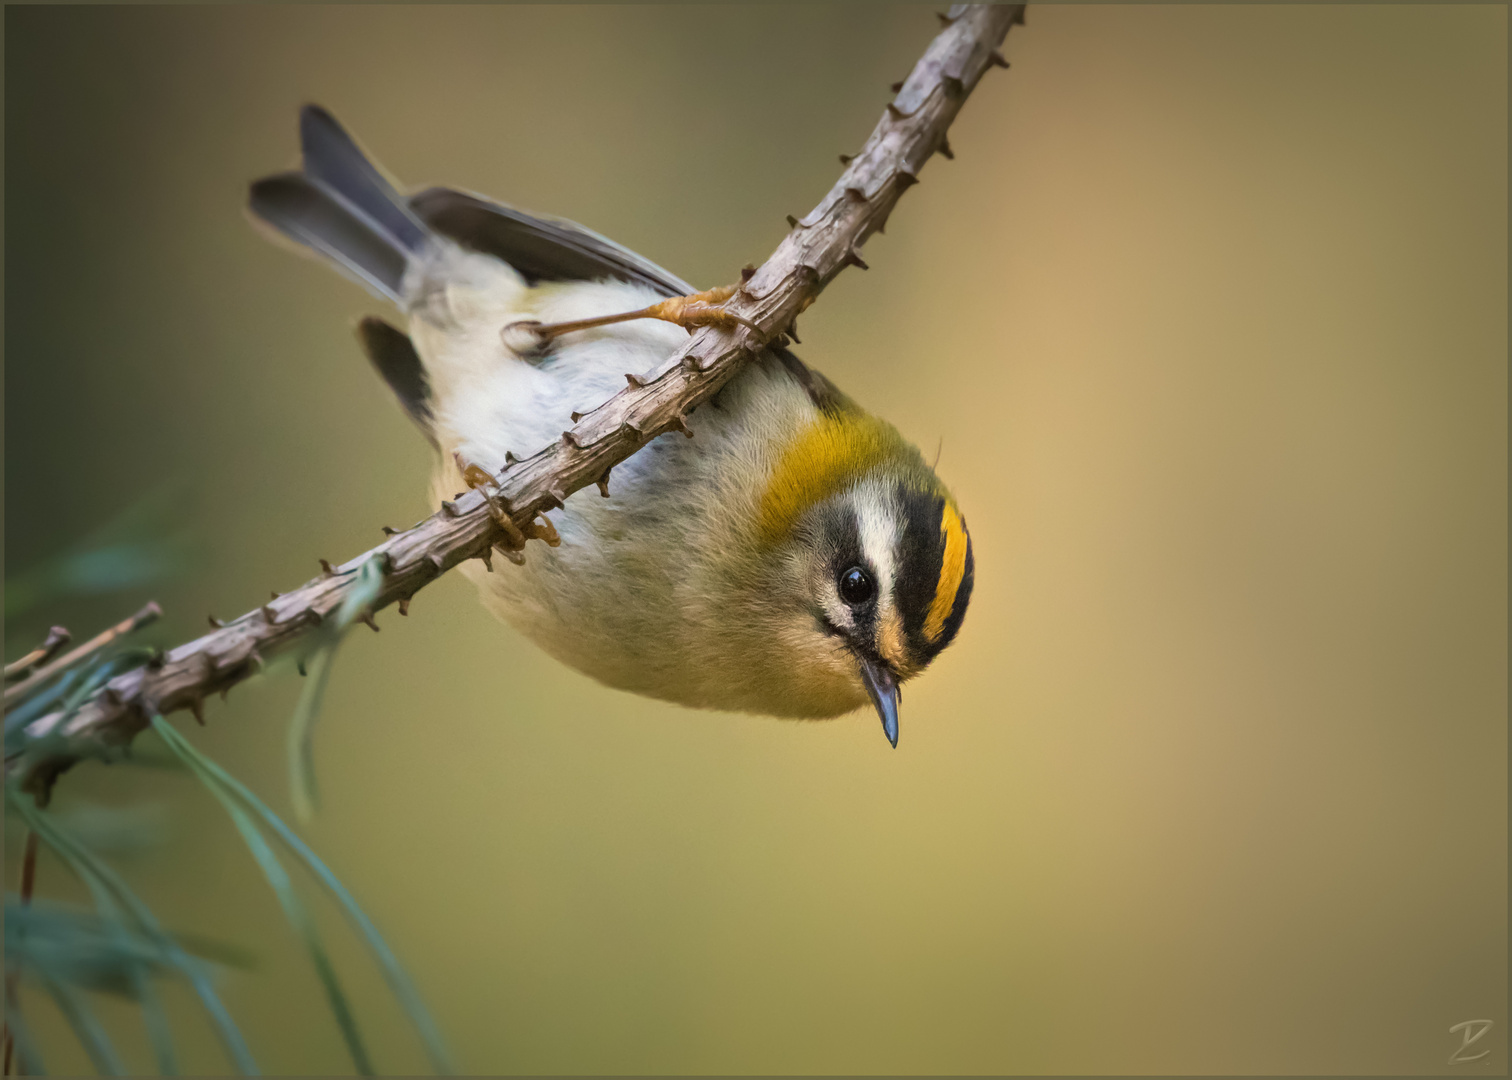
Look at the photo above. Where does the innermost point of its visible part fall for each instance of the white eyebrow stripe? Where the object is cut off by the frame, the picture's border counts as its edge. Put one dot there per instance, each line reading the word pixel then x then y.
pixel 877 521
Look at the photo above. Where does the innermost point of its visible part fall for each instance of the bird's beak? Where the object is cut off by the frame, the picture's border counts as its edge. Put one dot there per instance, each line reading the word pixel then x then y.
pixel 882 686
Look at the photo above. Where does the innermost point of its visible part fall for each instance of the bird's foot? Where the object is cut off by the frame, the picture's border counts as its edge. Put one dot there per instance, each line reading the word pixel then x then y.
pixel 699 309
pixel 479 479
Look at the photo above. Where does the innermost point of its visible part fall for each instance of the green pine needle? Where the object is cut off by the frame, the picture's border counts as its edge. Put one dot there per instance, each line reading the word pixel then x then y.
pixel 399 983
pixel 294 909
pixel 111 894
pixel 301 739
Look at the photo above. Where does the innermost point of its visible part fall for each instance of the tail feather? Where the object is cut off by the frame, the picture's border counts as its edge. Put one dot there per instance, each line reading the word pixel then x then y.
pixel 342 207
pixel 310 215
pixel 334 160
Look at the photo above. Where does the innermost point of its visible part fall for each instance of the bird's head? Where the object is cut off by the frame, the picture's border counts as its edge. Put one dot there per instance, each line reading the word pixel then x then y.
pixel 876 559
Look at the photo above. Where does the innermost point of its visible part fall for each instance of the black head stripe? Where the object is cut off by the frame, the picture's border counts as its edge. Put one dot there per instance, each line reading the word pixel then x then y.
pixel 921 558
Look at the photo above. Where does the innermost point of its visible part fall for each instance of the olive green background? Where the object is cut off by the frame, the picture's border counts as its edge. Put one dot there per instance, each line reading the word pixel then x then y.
pixel 1209 319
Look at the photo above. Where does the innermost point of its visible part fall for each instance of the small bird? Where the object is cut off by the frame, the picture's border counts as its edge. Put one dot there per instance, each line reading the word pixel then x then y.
pixel 797 558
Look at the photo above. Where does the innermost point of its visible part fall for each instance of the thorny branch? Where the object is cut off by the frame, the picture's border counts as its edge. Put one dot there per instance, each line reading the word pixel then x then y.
pixel 815 250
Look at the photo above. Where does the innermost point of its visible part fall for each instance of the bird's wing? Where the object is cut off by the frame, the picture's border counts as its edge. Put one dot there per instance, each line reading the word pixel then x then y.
pixel 549 249
pixel 541 249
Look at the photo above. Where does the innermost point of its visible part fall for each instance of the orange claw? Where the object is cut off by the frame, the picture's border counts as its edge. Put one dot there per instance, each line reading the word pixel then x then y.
pixel 475 476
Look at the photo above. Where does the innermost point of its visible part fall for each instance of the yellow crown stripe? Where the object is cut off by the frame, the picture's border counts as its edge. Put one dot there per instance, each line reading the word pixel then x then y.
pixel 952 570
pixel 829 455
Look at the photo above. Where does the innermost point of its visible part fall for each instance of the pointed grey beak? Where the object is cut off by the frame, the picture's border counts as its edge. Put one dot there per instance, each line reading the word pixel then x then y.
pixel 882 686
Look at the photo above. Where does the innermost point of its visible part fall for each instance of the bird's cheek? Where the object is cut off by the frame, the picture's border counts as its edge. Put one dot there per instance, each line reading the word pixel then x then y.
pixel 891 641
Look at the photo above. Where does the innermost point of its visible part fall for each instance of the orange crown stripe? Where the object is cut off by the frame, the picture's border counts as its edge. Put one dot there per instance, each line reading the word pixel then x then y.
pixel 952 570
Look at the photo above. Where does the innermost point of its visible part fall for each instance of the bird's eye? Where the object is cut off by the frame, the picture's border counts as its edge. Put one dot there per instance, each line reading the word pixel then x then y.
pixel 856 586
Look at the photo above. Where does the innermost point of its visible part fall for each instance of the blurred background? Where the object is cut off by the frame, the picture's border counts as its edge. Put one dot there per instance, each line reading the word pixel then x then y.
pixel 1209 317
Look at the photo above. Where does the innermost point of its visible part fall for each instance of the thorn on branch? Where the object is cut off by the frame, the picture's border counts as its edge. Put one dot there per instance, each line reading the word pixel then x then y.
pixel 404 605
pixel 449 507
pixel 255 659
pixel 366 618
pixel 1018 19
pixel 792 221
pixel 907 178
pixel 603 484
pixel 945 20
pixel 197 707
pixel 635 381
pixel 269 615
pixel 854 258
pixel 845 159
pixel 995 58
pixel 389 530
pixel 895 112
pixel 215 624
pixel 325 569
pixel 944 149
pixel 897 87
pixel 569 439
pixel 436 561
pixel 576 416
pixel 679 423
pixel 300 667
pixel 792 331
pixel 747 272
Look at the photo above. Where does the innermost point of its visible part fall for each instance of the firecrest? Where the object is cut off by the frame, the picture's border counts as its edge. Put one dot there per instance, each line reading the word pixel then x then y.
pixel 797 558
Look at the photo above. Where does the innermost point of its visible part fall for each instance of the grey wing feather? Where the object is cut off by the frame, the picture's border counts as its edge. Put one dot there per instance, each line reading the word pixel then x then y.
pixel 541 249
pixel 394 355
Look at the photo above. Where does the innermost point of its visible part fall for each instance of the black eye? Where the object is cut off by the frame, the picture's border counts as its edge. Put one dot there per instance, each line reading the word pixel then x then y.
pixel 856 586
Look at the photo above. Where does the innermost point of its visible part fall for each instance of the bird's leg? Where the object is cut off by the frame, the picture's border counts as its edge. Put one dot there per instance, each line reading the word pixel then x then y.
pixel 689 312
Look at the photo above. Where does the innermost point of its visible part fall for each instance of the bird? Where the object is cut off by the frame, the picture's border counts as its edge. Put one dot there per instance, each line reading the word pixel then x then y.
pixel 795 558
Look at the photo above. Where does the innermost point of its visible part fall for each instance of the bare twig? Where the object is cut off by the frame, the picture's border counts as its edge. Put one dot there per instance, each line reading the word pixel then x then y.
pixel 815 250
pixel 22 690
pixel 28 884
pixel 57 637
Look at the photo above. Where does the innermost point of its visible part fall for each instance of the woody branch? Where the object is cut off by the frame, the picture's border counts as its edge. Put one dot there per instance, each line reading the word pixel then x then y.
pixel 815 250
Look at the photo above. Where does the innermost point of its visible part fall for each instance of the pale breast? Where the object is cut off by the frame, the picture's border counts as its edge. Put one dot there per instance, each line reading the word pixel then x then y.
pixel 638 595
